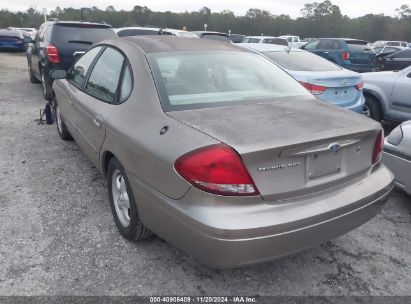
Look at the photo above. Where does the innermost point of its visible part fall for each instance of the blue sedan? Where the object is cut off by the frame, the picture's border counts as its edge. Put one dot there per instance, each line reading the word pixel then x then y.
pixel 11 40
pixel 324 79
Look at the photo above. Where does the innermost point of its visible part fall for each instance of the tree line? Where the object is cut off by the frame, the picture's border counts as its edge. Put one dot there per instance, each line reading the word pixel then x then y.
pixel 318 19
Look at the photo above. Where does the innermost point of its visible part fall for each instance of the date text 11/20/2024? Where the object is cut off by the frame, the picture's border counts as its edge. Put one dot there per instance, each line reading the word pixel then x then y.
pixel 203 299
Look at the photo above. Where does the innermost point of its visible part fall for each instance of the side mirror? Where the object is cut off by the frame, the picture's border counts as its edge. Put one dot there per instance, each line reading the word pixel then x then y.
pixel 58 74
pixel 78 54
pixel 27 39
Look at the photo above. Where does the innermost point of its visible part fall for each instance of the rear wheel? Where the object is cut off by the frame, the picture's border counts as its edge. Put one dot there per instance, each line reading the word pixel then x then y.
pixel 33 79
pixel 123 204
pixel 372 108
pixel 61 126
pixel 46 84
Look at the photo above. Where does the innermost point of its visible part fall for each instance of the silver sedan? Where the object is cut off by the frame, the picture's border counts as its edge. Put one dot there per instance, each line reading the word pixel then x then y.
pixel 397 155
pixel 217 150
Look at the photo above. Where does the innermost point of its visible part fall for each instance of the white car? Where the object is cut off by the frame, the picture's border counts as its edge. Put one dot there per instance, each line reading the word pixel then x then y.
pixel 397 155
pixel 179 33
pixel 265 39
pixel 32 32
pixel 402 44
pixel 137 31
pixel 293 41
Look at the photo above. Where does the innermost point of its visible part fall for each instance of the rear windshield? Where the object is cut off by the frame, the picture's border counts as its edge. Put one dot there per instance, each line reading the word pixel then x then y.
pixel 86 35
pixel 251 40
pixel 301 61
pixel 137 32
pixel 192 80
pixel 360 42
pixel 359 48
pixel 278 41
pixel 216 37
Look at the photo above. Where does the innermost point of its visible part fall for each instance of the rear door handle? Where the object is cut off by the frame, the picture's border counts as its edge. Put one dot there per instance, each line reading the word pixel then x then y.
pixel 98 121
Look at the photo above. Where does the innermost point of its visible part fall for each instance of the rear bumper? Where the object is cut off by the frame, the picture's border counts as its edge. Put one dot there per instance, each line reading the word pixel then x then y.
pixel 12 46
pixel 358 106
pixel 360 68
pixel 224 236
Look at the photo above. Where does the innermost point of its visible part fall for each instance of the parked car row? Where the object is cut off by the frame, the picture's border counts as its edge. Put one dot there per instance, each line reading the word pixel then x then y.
pixel 322 78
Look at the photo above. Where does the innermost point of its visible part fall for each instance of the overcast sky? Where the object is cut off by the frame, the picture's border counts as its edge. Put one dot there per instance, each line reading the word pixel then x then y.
pixel 352 8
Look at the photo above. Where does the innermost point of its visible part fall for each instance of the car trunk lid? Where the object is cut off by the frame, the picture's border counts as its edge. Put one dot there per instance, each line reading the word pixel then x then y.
pixel 291 148
pixel 341 85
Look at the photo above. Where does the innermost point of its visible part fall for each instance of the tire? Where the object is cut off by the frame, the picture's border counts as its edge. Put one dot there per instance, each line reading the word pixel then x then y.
pixel 33 79
pixel 123 204
pixel 61 126
pixel 372 108
pixel 46 85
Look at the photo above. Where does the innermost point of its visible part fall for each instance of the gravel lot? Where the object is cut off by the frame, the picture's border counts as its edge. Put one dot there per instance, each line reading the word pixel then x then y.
pixel 57 235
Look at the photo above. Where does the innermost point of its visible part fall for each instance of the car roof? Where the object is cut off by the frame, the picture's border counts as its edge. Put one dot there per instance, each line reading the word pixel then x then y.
pixel 165 43
pixel 262 37
pixel 137 28
pixel 267 47
pixel 76 23
pixel 209 33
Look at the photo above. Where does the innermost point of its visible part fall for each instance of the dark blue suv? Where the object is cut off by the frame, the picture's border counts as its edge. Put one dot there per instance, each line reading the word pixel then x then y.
pixel 55 45
pixel 351 54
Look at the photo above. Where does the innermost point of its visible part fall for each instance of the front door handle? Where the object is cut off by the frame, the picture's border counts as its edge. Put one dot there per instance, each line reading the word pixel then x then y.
pixel 98 121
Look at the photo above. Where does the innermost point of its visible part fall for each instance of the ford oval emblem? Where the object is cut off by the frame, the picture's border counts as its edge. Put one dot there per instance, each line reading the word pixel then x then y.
pixel 344 82
pixel 335 148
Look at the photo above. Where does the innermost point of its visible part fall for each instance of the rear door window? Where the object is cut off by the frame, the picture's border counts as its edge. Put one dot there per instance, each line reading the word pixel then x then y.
pixel 402 54
pixel 127 84
pixel 277 41
pixel 77 36
pixel 312 45
pixel 104 78
pixel 80 68
pixel 329 44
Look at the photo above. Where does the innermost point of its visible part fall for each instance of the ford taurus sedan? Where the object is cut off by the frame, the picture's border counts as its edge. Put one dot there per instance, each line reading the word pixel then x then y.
pixel 217 150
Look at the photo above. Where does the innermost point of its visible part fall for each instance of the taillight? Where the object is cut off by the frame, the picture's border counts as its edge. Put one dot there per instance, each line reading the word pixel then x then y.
pixel 313 88
pixel 345 55
pixel 378 147
pixel 217 169
pixel 359 86
pixel 53 54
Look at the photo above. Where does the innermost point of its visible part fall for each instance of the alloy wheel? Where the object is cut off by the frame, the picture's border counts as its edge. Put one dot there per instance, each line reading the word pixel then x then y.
pixel 366 111
pixel 120 197
pixel 58 119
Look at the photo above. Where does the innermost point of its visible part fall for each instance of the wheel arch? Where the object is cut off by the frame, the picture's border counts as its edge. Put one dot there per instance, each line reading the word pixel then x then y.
pixel 105 161
pixel 373 94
